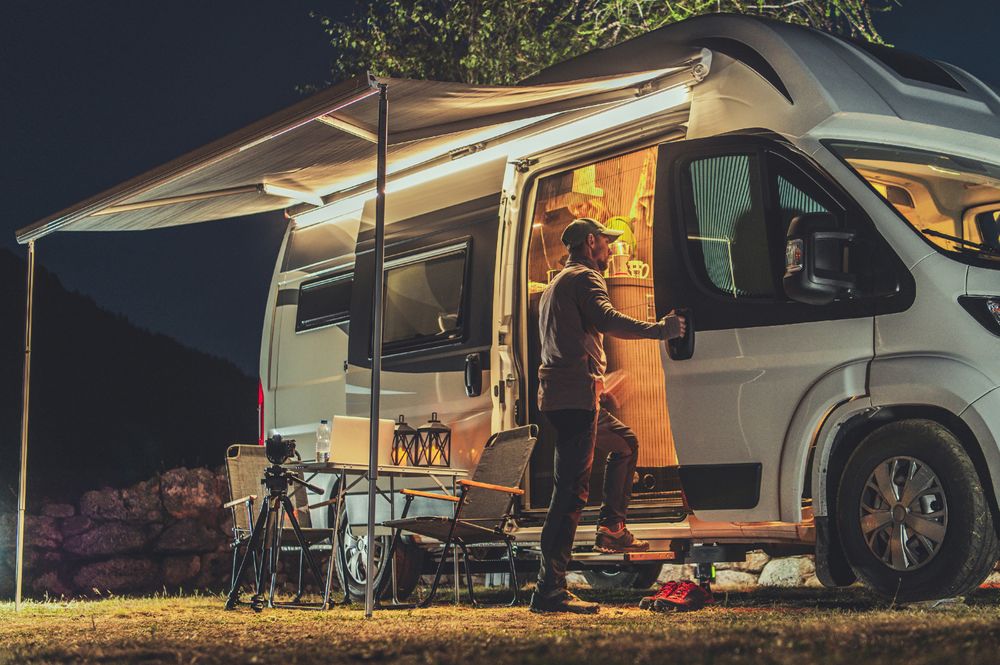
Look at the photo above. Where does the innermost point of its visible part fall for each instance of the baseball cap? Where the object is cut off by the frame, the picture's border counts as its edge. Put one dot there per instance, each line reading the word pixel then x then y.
pixel 578 230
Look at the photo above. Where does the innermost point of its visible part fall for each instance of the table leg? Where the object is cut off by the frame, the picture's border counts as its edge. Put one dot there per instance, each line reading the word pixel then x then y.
pixel 392 516
pixel 338 548
pixel 454 492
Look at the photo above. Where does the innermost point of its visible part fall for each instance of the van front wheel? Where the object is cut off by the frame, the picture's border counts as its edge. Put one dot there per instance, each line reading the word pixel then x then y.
pixel 913 517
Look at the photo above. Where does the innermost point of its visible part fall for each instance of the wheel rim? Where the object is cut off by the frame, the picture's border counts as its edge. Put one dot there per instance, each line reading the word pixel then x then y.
pixel 356 556
pixel 904 513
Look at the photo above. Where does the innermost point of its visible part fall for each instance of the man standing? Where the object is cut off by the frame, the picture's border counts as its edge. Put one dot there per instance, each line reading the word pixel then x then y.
pixel 574 314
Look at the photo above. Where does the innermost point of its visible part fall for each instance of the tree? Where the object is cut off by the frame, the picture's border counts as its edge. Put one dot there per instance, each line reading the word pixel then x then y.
pixel 504 41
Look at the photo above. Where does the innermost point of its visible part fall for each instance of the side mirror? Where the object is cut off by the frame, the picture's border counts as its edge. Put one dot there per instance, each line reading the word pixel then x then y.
pixel 816 259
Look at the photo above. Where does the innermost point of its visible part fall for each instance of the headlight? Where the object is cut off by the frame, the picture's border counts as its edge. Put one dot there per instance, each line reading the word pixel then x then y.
pixel 985 309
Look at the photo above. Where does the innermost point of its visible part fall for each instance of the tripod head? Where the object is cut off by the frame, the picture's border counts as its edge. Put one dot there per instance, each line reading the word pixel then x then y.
pixel 277 480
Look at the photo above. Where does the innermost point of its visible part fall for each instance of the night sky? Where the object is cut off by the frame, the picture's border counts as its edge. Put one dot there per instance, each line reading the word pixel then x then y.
pixel 97 91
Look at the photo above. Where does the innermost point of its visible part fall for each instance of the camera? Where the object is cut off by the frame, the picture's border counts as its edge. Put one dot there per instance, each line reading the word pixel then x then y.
pixel 278 450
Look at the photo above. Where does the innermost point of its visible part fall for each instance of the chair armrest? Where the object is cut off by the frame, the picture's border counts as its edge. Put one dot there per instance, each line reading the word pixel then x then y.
pixel 321 504
pixel 486 486
pixel 249 498
pixel 430 495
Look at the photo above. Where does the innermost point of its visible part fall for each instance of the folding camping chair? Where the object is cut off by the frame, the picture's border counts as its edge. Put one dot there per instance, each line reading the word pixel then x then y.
pixel 245 466
pixel 482 509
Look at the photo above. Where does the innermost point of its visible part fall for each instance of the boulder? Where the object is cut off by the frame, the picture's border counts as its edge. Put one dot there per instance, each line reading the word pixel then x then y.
pixel 178 570
pixel 105 504
pixel 787 572
pixel 215 570
pixel 8 531
pixel 191 493
pixel 673 571
pixel 58 510
pixel 42 532
pixel 142 502
pixel 106 539
pixel 755 562
pixel 734 579
pixel 118 575
pixel 76 524
pixel 188 535
pixel 50 583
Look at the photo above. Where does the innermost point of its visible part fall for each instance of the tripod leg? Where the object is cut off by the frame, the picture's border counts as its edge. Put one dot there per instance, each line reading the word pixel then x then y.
pixel 286 502
pixel 255 537
pixel 275 553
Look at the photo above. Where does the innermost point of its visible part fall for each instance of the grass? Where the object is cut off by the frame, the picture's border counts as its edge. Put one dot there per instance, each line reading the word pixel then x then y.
pixel 795 626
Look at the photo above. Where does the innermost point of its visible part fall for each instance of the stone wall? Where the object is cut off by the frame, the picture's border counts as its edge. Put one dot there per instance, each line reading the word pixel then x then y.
pixel 167 533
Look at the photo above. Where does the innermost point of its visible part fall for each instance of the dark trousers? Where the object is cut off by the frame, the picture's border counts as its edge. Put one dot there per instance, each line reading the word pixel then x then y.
pixel 578 433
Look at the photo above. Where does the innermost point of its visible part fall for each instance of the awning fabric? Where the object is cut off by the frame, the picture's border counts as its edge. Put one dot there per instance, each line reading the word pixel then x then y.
pixel 325 144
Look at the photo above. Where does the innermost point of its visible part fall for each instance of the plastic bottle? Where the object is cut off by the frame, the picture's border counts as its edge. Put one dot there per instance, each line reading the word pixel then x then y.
pixel 323 441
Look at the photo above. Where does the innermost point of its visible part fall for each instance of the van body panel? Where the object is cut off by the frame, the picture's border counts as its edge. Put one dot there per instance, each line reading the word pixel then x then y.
pixel 840 385
pixel 983 419
pixel 982 282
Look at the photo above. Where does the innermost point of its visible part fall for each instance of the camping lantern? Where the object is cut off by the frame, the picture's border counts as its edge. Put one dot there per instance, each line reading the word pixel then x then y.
pixel 435 442
pixel 405 444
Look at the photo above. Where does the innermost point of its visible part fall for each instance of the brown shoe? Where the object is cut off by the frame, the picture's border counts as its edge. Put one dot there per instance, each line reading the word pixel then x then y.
pixel 614 542
pixel 561 601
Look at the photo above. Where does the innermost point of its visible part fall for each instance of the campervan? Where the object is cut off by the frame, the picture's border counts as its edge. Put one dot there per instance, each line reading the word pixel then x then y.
pixel 827 210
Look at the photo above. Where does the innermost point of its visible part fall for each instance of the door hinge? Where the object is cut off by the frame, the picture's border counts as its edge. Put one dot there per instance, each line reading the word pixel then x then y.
pixel 522 165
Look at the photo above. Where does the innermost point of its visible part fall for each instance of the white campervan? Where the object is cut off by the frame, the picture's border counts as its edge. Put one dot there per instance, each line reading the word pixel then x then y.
pixel 829 213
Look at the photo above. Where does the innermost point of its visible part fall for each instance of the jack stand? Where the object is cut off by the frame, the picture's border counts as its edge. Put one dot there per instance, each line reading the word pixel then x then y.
pixel 705 574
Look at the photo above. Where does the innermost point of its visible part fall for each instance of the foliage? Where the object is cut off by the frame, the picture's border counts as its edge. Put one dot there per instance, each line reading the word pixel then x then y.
pixel 504 41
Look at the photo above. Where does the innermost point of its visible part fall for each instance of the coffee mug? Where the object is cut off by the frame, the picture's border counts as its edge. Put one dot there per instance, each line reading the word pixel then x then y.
pixel 638 269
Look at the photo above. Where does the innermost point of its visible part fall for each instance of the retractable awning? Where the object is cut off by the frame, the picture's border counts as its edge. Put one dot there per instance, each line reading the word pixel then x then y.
pixel 309 152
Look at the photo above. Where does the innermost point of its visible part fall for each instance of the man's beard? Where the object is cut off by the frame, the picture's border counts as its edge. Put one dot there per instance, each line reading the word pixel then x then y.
pixel 602 264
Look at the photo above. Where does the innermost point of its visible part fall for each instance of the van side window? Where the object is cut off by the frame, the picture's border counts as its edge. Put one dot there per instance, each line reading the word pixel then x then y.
pixel 797 194
pixel 324 302
pixel 727 232
pixel 423 299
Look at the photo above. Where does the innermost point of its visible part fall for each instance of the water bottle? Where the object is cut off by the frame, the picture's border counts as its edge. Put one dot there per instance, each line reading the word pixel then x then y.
pixel 323 441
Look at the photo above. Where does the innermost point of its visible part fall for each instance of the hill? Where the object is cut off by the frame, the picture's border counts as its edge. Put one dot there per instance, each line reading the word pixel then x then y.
pixel 111 404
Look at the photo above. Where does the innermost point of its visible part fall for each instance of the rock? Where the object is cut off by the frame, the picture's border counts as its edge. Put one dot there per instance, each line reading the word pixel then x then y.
pixel 6 579
pixel 787 572
pixel 188 535
pixel 118 575
pixel 812 582
pixel 58 510
pixel 180 569
pixel 8 531
pixel 105 539
pixel 734 579
pixel 673 571
pixel 216 569
pixel 191 493
pixel 50 583
pixel 756 560
pixel 104 504
pixel 76 524
pixel 142 502
pixel 41 532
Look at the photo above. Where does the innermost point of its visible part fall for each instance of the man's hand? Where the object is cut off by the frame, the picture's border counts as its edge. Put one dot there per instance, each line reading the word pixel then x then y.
pixel 674 325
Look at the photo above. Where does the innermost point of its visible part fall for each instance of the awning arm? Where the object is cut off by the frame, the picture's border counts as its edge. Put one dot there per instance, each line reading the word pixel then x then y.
pixel 350 128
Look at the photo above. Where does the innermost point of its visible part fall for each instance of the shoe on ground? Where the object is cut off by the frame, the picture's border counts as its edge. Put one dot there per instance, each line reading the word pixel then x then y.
pixel 647 601
pixel 687 596
pixel 616 542
pixel 561 601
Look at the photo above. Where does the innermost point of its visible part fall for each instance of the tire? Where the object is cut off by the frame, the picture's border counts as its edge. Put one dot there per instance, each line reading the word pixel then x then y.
pixel 943 542
pixel 409 560
pixel 623 577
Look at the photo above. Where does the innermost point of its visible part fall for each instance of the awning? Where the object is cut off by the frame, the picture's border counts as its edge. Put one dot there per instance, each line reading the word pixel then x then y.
pixel 325 144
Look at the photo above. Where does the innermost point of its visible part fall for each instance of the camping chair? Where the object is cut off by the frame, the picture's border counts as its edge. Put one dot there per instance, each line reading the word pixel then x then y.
pixel 245 466
pixel 482 509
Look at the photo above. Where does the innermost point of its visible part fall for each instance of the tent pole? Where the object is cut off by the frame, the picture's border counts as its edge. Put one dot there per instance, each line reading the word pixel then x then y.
pixel 23 478
pixel 383 139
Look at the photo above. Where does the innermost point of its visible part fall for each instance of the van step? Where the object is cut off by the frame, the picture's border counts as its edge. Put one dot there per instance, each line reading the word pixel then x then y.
pixel 624 557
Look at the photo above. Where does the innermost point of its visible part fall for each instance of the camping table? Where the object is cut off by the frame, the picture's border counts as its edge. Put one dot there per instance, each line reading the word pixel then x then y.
pixel 359 472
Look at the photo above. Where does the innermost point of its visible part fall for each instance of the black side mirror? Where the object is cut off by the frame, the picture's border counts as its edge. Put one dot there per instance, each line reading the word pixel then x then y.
pixel 816 259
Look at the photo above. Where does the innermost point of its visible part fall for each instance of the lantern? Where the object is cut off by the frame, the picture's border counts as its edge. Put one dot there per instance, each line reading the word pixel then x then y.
pixel 435 442
pixel 405 444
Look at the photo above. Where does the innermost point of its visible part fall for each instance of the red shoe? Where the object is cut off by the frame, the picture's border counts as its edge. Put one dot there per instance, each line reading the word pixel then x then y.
pixel 687 596
pixel 648 602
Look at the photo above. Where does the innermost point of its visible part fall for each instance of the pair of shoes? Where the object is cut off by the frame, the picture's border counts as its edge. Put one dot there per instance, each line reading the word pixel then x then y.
pixel 647 602
pixel 686 596
pixel 561 601
pixel 623 540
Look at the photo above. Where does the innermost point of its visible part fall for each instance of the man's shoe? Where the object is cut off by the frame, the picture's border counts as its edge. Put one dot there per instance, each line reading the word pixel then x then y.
pixel 686 597
pixel 615 542
pixel 647 601
pixel 561 601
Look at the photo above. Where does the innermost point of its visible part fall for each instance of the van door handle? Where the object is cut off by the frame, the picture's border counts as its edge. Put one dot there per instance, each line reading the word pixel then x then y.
pixel 682 348
pixel 473 375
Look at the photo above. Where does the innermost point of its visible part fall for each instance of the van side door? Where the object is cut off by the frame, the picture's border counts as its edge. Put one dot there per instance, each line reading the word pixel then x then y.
pixel 723 207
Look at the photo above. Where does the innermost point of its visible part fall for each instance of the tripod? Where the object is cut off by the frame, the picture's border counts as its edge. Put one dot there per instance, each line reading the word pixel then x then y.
pixel 265 538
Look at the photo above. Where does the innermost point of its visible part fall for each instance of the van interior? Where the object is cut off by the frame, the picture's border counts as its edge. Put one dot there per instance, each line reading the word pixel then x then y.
pixel 618 192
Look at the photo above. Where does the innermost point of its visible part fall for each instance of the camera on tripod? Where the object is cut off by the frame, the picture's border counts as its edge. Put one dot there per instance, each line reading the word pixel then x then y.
pixel 278 450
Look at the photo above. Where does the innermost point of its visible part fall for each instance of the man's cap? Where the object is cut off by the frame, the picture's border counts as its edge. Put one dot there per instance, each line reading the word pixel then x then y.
pixel 577 231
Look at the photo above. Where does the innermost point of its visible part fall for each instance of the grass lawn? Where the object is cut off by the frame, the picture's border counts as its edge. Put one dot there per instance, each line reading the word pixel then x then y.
pixel 794 626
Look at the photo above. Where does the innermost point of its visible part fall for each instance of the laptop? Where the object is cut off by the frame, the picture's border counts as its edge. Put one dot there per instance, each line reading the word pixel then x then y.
pixel 349 438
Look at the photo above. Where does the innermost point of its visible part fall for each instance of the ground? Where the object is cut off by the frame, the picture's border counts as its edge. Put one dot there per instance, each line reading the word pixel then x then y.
pixel 794 626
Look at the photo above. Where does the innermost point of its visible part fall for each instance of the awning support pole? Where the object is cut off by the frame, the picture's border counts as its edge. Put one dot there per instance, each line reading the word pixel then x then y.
pixel 383 140
pixel 25 394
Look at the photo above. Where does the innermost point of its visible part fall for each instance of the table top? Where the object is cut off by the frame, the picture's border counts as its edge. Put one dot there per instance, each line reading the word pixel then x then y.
pixel 383 470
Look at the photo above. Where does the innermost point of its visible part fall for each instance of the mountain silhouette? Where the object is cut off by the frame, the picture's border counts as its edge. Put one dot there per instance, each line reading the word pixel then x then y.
pixel 111 404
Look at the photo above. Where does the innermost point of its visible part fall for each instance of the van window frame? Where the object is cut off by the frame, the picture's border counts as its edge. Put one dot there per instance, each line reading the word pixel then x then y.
pixel 338 318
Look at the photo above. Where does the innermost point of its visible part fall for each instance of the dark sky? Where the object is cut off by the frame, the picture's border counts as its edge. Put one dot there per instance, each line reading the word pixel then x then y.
pixel 97 91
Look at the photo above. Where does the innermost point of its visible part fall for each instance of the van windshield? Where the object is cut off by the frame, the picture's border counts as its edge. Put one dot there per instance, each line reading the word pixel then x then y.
pixel 954 202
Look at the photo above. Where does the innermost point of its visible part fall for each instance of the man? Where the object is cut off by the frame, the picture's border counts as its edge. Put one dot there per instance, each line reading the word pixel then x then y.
pixel 574 315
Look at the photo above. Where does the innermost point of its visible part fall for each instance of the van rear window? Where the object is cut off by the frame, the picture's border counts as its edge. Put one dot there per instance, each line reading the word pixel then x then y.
pixel 423 299
pixel 324 302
